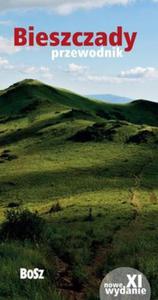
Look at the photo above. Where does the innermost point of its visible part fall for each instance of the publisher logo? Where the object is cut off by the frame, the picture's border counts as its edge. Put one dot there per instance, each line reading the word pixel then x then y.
pixel 31 273
pixel 125 284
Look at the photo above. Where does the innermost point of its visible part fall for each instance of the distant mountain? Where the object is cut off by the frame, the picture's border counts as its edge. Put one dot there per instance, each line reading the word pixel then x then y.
pixel 110 98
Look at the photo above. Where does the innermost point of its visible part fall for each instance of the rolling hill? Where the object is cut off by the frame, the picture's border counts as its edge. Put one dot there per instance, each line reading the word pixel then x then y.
pixel 79 173
pixel 30 96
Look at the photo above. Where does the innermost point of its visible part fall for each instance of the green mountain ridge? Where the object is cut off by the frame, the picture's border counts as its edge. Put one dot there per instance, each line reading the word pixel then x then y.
pixel 34 96
pixel 87 171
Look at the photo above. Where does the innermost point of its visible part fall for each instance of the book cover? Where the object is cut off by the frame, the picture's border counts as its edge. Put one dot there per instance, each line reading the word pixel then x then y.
pixel 78 150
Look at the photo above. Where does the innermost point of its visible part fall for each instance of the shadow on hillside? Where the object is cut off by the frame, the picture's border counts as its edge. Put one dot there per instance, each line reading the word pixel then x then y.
pixel 119 175
pixel 31 131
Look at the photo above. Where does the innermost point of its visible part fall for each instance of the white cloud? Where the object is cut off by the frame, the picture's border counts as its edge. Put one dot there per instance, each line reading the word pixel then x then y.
pixel 139 73
pixel 3 62
pixel 42 71
pixel 104 79
pixel 136 74
pixel 66 7
pixel 28 71
pixel 5 22
pixel 7 46
pixel 77 69
pixel 61 6
pixel 5 65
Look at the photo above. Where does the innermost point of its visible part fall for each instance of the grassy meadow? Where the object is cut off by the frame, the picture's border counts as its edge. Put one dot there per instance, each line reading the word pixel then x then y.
pixel 89 170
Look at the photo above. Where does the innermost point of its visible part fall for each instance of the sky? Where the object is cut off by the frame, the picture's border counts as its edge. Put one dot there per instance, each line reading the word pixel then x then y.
pixel 135 75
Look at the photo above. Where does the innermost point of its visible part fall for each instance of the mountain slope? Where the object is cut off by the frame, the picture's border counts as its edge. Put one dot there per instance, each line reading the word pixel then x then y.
pixel 30 96
pixel 118 132
pixel 70 160
pixel 19 96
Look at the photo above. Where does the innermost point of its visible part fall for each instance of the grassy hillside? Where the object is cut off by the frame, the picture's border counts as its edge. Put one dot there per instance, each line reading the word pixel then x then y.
pixel 33 96
pixel 89 171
